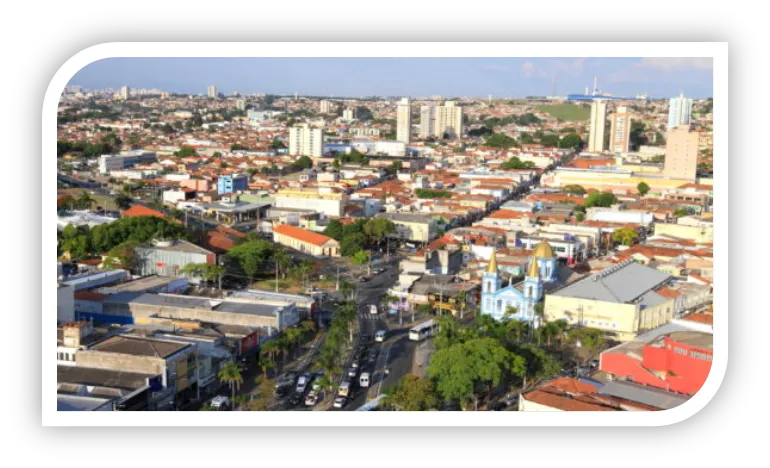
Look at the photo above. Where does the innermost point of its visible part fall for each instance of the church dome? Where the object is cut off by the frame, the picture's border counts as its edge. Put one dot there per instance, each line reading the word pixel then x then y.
pixel 543 250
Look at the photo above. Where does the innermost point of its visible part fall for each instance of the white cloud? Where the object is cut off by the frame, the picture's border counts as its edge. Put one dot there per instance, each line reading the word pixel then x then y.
pixel 529 69
pixel 677 63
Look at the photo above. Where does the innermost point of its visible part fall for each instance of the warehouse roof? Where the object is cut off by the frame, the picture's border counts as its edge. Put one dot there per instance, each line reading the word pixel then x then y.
pixel 622 283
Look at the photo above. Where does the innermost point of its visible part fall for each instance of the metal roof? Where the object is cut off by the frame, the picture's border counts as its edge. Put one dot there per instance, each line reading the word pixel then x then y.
pixel 646 395
pixel 623 283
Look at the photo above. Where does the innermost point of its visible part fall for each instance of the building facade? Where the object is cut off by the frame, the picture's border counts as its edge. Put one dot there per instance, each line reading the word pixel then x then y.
pixel 522 297
pixel 404 121
pixel 231 183
pixel 596 133
pixel 305 140
pixel 620 130
pixel 681 161
pixel 679 111
pixel 306 241
pixel 330 203
pixel 211 91
pixel 427 121
pixel 449 121
pixel 168 258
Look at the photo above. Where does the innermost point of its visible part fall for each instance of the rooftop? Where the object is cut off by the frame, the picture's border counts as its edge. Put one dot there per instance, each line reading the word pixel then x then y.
pixel 622 283
pixel 101 377
pixel 302 234
pixel 177 245
pixel 142 284
pixel 139 346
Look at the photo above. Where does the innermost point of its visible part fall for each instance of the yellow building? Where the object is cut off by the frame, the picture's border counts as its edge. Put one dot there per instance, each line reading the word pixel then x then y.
pixel 609 179
pixel 621 300
pixel 306 241
pixel 699 234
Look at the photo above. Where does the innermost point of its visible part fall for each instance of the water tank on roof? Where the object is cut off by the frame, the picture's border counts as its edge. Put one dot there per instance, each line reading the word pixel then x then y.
pixel 164 242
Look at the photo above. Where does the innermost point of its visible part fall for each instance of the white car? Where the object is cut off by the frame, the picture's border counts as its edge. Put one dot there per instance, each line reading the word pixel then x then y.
pixel 302 384
pixel 340 402
pixel 379 337
pixel 311 399
pixel 219 402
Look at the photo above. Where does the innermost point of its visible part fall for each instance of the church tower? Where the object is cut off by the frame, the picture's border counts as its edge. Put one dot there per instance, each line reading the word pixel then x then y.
pixel 491 280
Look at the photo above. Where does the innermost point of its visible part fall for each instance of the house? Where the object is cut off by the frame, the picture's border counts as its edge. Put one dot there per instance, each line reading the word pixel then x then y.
pixel 567 394
pixel 306 241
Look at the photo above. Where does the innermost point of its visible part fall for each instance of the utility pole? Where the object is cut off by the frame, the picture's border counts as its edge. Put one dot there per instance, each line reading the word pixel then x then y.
pixel 338 278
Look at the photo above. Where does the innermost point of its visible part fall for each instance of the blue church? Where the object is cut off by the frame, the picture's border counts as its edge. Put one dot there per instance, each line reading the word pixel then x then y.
pixel 541 273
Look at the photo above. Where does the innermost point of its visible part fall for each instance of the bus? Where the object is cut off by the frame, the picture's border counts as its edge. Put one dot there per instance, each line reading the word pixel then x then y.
pixel 423 330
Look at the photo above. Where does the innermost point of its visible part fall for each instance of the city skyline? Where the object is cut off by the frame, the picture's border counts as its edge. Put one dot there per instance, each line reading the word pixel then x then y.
pixel 415 77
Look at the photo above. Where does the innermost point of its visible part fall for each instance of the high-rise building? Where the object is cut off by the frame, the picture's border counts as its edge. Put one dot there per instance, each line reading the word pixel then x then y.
pixel 327 107
pixel 211 91
pixel 240 104
pixel 347 114
pixel 124 92
pixel 449 121
pixel 681 153
pixel 679 110
pixel 596 133
pixel 620 130
pixel 305 140
pixel 404 120
pixel 427 120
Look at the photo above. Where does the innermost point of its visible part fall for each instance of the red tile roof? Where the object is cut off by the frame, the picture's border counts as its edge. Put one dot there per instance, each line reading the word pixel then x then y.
pixel 141 210
pixel 302 234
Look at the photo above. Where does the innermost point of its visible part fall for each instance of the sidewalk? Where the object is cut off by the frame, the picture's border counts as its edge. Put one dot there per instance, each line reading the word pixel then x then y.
pixel 421 358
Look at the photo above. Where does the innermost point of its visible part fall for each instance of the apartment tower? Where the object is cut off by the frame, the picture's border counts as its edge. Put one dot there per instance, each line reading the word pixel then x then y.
pixel 596 133
pixel 404 121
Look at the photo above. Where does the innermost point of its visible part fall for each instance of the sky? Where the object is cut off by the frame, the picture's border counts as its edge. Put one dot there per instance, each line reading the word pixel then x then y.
pixel 416 77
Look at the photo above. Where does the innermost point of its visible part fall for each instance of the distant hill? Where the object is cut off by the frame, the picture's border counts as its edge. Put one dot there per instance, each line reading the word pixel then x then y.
pixel 566 112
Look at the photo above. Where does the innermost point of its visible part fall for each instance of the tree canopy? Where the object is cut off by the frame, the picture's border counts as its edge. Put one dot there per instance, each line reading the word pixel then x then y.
pixel 516 163
pixel 643 188
pixel 602 199
pixel 500 140
pixel 251 255
pixel 412 393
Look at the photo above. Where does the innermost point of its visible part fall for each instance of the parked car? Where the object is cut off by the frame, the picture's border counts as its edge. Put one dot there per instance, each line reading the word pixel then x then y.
pixel 302 384
pixel 340 402
pixel 352 372
pixel 311 399
pixel 282 392
pixel 220 402
pixel 355 364
pixel 594 364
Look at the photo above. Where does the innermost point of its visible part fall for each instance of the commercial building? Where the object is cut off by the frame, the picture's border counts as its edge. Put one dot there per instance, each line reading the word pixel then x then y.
pixel 596 124
pixel 681 161
pixel 176 363
pixel 621 300
pixel 169 257
pixel 620 130
pixel 427 121
pixel 568 394
pixel 404 121
pixel 231 183
pixel 679 111
pixel 305 140
pixel 110 162
pixel 673 357
pixel 411 227
pixel 323 200
pixel 306 241
pixel 147 308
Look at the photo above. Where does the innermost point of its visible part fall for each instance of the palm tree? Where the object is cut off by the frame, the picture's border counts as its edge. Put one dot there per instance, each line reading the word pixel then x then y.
pixel 308 327
pixel 230 374
pixel 265 364
pixel 328 362
pixel 282 262
pixel 293 337
pixel 462 297
pixel 347 289
pixel 84 201
pixel 271 348
pixel 326 383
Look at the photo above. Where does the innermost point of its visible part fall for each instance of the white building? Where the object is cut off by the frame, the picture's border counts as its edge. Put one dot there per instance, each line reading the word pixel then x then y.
pixel 620 130
pixel 306 141
pixel 679 110
pixel 327 107
pixel 449 121
pixel 211 91
pixel 404 121
pixel 596 134
pixel 65 303
pixel 110 162
pixel 124 92
pixel 427 120
pixel 348 115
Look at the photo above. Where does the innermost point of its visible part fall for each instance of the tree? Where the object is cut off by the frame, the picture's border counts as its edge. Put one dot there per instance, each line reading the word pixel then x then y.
pixel 636 136
pixel 361 257
pixel 265 364
pixel 603 199
pixel 206 271
pixel 237 147
pixel 429 193
pixel 572 140
pixel 326 383
pixel 122 256
pixel 352 243
pixel 230 374
pixel 574 190
pixel 378 228
pixel 590 338
pixel 334 229
pixel 550 139
pixel 186 151
pixel 84 201
pixel 625 236
pixel 270 348
pixel 412 393
pixel 251 255
pixel 538 364
pixel 282 261
pixel 681 212
pixel 123 201
pixel 643 188
pixel 500 140
pixel 461 369
pixel 580 217
pixel 264 394
pixel 516 163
